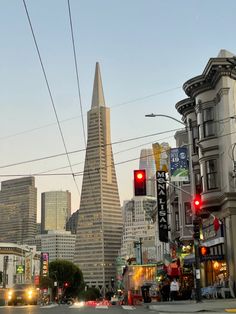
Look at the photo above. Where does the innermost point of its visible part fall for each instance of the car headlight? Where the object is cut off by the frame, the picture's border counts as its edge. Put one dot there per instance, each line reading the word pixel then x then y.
pixel 30 293
pixel 9 294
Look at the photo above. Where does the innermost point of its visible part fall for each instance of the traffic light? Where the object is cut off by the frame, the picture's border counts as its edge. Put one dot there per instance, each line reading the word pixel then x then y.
pixel 140 182
pixel 66 284
pixel 204 251
pixel 197 204
pixel 196 228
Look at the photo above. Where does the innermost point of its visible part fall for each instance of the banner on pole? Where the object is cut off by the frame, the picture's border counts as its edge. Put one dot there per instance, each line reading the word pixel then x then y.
pixel 161 154
pixel 179 164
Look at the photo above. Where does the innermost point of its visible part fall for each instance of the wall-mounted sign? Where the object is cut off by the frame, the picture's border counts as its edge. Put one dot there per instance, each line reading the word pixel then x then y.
pixel 162 206
pixel 20 269
pixel 44 264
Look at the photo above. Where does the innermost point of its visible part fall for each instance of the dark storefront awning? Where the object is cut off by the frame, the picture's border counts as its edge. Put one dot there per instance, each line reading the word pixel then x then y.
pixel 189 259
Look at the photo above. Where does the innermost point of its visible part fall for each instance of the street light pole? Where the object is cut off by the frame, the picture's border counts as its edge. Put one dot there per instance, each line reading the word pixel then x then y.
pixel 153 115
pixel 196 223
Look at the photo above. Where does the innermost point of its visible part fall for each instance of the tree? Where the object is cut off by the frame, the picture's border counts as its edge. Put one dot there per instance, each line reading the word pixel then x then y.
pixel 68 276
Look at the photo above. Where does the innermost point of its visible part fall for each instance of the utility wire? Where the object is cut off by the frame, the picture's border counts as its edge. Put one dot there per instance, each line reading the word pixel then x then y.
pixel 76 71
pixel 50 93
pixel 76 117
pixel 92 147
pixel 95 169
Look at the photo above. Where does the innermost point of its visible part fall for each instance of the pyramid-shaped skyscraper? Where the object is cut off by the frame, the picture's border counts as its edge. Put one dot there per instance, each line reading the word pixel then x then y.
pixel 99 227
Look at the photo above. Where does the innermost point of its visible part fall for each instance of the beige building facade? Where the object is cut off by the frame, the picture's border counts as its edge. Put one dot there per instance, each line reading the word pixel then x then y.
pixel 209 113
pixel 99 228
pixel 18 210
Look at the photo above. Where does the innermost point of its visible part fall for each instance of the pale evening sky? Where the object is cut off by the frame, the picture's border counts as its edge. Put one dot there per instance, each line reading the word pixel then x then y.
pixel 146 49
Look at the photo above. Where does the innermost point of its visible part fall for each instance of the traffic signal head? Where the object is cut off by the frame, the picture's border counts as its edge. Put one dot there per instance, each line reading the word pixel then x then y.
pixel 140 182
pixel 197 204
pixel 204 251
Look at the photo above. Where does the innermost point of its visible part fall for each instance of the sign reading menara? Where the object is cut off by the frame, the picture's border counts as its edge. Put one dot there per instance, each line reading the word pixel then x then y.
pixel 162 206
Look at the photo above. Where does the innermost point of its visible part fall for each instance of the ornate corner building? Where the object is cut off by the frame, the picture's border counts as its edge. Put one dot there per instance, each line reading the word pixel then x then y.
pixel 209 113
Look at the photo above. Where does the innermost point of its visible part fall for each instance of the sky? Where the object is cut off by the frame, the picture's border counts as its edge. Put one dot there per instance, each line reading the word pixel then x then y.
pixel 146 49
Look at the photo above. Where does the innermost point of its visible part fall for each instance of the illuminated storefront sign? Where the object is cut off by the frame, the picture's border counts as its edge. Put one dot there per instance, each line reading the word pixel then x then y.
pixel 162 206
pixel 44 264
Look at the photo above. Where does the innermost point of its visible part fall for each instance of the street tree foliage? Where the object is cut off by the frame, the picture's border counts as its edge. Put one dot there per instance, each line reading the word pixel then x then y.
pixel 68 276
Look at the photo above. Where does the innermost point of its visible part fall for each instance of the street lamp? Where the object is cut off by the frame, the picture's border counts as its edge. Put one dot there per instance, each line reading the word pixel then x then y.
pixel 196 221
pixel 153 115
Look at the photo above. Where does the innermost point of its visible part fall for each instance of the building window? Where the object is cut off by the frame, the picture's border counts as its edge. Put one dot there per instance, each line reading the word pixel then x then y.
pixel 208 122
pixel 198 183
pixel 195 138
pixel 176 221
pixel 188 213
pixel 211 174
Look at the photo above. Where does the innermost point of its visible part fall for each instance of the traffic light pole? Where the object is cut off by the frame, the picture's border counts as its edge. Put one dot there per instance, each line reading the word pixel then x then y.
pixel 197 272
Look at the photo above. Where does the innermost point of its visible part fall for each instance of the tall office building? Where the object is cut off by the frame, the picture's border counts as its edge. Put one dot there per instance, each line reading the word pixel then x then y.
pixel 55 210
pixel 147 162
pixel 100 220
pixel 18 210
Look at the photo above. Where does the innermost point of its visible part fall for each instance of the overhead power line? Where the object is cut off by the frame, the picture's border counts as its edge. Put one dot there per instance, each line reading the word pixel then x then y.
pixel 50 93
pixel 79 116
pixel 82 150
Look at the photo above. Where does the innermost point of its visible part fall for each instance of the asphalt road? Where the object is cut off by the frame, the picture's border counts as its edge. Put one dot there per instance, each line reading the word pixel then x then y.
pixel 64 309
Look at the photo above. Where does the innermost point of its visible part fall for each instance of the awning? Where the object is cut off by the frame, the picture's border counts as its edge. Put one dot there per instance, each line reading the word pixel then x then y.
pixel 189 259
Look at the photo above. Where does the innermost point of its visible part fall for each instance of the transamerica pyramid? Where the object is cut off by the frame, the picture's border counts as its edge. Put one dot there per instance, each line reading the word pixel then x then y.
pixel 99 228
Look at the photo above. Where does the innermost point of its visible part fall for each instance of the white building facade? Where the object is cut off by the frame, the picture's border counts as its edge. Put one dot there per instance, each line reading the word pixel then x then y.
pixel 59 244
pixel 209 113
pixel 139 226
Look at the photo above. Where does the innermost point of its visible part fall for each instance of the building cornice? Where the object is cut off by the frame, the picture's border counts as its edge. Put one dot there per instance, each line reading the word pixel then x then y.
pixel 185 106
pixel 214 70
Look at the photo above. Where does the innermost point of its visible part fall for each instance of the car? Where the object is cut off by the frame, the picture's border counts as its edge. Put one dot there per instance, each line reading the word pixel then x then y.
pixel 23 294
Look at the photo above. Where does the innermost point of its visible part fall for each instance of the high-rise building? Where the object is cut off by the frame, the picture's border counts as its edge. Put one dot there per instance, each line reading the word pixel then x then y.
pixel 55 210
pixel 18 210
pixel 138 226
pixel 100 220
pixel 60 244
pixel 72 222
pixel 147 162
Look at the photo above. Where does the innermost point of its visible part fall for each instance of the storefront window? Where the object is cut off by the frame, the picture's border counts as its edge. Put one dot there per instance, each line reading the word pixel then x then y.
pixel 211 174
pixel 188 214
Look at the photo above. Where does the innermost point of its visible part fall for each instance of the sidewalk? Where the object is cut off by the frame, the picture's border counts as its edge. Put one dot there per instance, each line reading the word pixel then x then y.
pixel 189 306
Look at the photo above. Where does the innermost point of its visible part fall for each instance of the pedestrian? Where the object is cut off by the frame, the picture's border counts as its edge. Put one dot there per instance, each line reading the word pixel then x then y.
pixel 174 289
pixel 165 291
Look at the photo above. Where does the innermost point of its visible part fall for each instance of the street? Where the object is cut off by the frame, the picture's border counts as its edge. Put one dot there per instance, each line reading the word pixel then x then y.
pixel 64 309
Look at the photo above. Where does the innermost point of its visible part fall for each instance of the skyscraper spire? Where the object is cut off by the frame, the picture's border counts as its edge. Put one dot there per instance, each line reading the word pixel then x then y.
pixel 98 96
pixel 99 227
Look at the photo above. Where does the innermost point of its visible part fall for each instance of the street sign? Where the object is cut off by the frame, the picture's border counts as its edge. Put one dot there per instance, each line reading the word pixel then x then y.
pixel 20 269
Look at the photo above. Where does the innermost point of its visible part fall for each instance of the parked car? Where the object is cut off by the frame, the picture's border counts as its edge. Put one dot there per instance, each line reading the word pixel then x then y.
pixel 23 294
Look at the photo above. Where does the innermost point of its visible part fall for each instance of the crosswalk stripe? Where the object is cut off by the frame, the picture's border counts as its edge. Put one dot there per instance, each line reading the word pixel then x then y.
pixel 101 307
pixel 128 307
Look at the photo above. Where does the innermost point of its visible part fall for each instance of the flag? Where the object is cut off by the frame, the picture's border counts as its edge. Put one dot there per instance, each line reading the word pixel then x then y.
pixel 216 223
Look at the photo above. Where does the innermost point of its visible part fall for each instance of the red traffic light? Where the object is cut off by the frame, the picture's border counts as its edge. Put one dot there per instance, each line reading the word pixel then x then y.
pixel 197 204
pixel 139 182
pixel 66 284
pixel 204 250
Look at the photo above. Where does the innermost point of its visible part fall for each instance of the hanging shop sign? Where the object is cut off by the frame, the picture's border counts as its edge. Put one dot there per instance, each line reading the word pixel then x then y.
pixel 162 206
